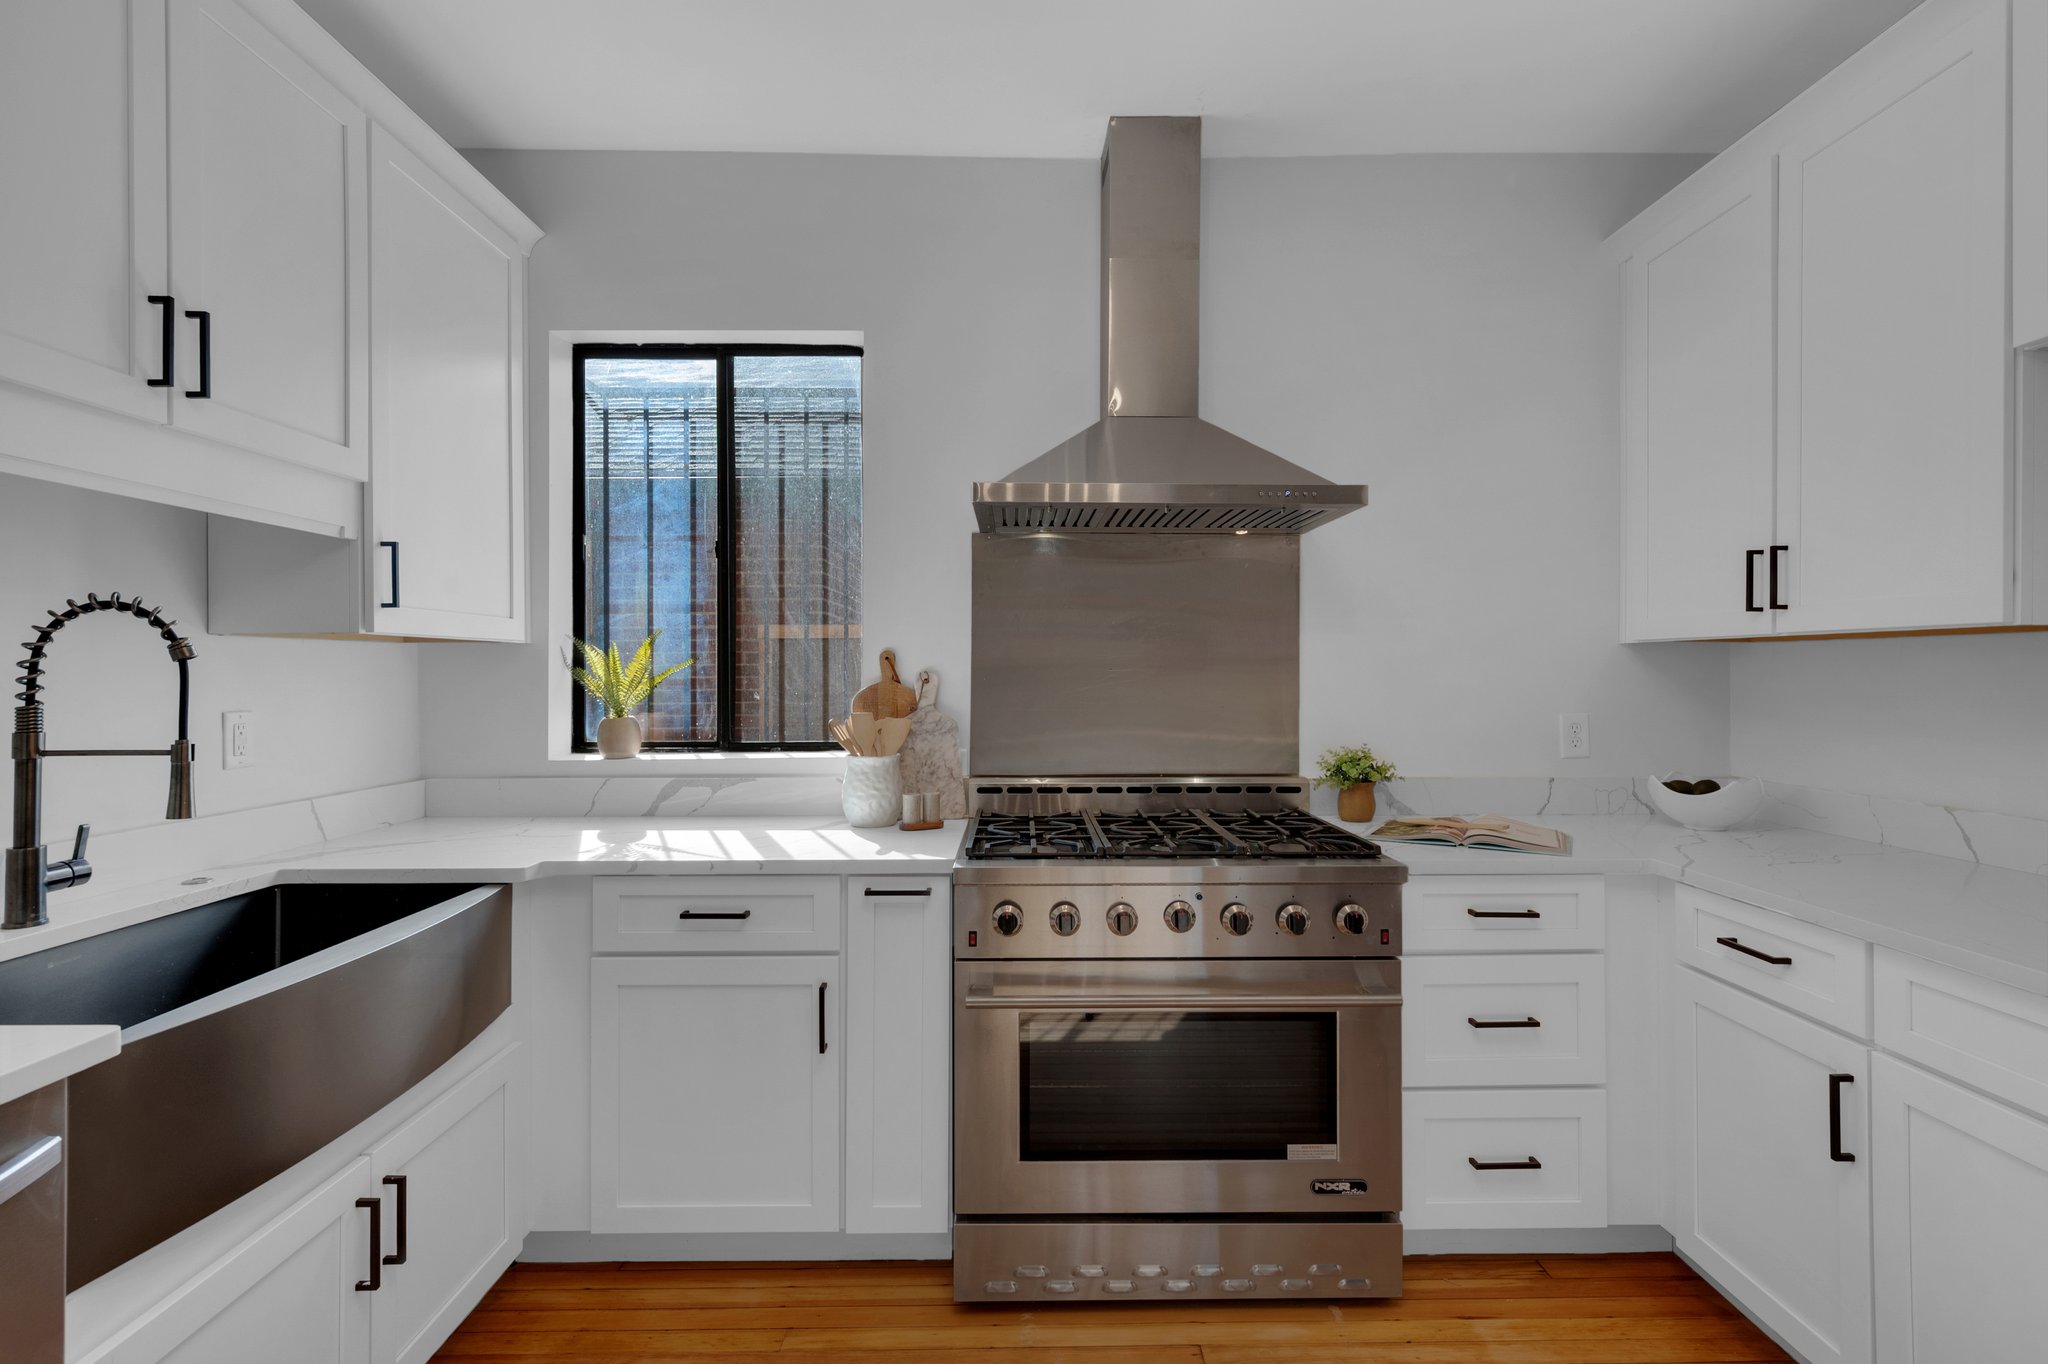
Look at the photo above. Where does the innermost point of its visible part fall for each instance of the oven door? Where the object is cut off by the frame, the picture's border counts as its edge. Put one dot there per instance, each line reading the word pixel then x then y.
pixel 1212 1088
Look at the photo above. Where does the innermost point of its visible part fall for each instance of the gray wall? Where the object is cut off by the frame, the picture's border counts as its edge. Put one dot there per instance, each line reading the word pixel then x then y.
pixel 1438 327
pixel 330 715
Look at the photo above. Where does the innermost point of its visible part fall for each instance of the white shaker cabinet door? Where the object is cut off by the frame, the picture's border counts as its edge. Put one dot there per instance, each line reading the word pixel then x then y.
pixel 1761 1203
pixel 287 1295
pixel 1700 416
pixel 714 1093
pixel 448 476
pixel 82 201
pixel 899 1054
pixel 1961 1214
pixel 1893 457
pixel 269 239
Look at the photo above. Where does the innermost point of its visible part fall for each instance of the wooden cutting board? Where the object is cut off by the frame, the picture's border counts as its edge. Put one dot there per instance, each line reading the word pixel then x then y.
pixel 931 755
pixel 887 699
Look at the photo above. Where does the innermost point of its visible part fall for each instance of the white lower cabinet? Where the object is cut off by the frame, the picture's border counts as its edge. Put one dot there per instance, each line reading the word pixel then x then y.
pixel 714 1092
pixel 899 1055
pixel 1961 1222
pixel 452 1195
pixel 287 1295
pixel 1772 1165
pixel 1504 1158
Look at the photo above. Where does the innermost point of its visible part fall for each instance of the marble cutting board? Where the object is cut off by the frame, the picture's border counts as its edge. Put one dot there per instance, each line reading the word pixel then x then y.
pixel 931 755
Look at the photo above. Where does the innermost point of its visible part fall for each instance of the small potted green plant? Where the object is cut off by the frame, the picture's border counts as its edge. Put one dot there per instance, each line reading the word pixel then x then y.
pixel 620 686
pixel 1353 771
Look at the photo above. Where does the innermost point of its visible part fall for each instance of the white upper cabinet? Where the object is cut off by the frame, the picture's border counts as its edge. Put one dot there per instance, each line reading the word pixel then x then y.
pixel 2029 173
pixel 82 243
pixel 1699 436
pixel 1818 414
pixel 448 473
pixel 269 243
pixel 1892 437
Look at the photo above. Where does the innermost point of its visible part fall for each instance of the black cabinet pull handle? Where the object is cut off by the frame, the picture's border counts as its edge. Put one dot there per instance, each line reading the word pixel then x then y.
pixel 1835 1083
pixel 1504 913
pixel 1505 1022
pixel 398 1182
pixel 716 914
pixel 391 545
pixel 205 389
pixel 884 890
pixel 1777 605
pixel 1749 558
pixel 1530 1164
pixel 821 1017
pixel 167 350
pixel 1737 945
pixel 376 1279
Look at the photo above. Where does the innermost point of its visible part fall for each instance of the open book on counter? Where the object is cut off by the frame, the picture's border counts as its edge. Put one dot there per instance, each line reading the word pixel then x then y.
pixel 1487 831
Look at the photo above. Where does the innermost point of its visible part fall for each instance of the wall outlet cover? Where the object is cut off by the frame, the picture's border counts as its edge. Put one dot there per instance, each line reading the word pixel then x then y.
pixel 237 739
pixel 1574 737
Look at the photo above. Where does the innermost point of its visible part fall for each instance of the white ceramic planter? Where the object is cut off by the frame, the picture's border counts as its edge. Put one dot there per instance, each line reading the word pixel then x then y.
pixel 619 737
pixel 872 793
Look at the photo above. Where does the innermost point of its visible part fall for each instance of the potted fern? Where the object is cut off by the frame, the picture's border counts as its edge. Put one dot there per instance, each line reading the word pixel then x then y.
pixel 620 686
pixel 1354 772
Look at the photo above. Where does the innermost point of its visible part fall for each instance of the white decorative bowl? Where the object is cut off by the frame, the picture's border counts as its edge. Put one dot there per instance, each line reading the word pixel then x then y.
pixel 1734 802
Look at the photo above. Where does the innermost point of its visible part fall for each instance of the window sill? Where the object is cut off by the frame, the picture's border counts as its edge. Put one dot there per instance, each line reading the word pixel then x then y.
pixel 810 764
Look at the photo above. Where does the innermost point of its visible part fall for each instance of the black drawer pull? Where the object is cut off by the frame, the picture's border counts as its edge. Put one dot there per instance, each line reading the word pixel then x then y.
pixel 1530 1164
pixel 398 1182
pixel 1737 945
pixel 1749 558
pixel 391 545
pixel 376 1279
pixel 1505 1022
pixel 821 1017
pixel 1835 1083
pixel 1777 605
pixel 205 389
pixel 168 347
pixel 884 890
pixel 716 914
pixel 1503 913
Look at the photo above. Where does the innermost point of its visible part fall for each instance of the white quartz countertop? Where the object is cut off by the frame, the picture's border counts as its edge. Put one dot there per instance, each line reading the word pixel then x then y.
pixel 31 1057
pixel 1980 918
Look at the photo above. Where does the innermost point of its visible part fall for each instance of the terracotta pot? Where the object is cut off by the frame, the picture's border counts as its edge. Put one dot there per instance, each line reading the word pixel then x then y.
pixel 619 737
pixel 1355 804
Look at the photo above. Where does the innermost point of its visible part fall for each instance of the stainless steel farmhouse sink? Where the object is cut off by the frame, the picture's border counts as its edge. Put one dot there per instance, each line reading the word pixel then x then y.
pixel 254 1030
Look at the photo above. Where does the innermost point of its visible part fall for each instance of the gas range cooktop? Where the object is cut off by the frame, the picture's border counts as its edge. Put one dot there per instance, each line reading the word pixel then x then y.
pixel 1179 834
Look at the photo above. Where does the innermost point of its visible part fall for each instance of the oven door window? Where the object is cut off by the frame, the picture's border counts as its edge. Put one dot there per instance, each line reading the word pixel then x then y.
pixel 1177 1086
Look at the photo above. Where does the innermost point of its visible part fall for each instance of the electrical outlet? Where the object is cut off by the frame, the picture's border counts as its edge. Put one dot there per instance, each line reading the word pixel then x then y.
pixel 1574 738
pixel 237 739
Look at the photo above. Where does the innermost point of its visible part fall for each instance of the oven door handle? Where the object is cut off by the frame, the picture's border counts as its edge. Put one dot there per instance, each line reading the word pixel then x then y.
pixel 1186 1003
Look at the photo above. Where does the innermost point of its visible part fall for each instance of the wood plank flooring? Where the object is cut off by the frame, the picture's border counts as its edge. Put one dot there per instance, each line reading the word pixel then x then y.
pixel 1496 1309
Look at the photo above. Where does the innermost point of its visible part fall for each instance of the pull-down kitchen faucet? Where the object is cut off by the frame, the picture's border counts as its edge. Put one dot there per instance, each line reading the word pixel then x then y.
pixel 31 875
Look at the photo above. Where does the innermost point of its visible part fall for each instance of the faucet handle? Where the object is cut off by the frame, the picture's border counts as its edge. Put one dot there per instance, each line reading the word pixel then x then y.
pixel 78 847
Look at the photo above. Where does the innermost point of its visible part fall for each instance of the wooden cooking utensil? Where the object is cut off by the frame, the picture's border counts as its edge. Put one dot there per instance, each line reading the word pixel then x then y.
pixel 866 737
pixel 845 737
pixel 887 699
pixel 892 734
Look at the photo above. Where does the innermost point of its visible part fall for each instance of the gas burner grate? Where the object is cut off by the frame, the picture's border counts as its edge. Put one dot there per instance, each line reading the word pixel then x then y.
pixel 1185 834
pixel 1032 836
pixel 1292 834
pixel 1276 835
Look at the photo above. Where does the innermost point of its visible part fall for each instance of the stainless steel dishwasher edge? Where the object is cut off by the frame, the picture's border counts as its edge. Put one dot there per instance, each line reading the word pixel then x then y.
pixel 32 1227
pixel 212 1099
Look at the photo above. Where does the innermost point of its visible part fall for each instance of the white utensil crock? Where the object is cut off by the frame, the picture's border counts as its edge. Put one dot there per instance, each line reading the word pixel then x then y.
pixel 872 792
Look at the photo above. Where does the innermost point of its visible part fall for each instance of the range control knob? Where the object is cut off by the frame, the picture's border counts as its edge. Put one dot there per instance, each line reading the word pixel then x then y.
pixel 1066 920
pixel 1351 918
pixel 1123 920
pixel 1008 918
pixel 1293 918
pixel 1237 920
pixel 1180 916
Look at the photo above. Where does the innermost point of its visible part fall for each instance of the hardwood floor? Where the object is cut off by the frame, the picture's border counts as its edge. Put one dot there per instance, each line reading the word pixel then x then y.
pixel 1496 1309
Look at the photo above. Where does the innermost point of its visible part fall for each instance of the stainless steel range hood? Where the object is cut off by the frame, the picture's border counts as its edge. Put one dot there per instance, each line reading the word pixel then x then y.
pixel 1151 465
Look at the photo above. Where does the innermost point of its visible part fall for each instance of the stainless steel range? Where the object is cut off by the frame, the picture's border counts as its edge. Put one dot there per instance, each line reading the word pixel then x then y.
pixel 1177 1045
pixel 1177 1022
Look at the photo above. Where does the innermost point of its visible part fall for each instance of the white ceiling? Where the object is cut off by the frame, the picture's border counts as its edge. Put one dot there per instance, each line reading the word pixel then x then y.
pixel 1039 77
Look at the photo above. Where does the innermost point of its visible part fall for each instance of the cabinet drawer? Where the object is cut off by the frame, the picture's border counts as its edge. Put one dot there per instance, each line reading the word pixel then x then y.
pixel 752 914
pixel 1505 914
pixel 1516 1020
pixel 1978 1031
pixel 1814 971
pixel 1553 1143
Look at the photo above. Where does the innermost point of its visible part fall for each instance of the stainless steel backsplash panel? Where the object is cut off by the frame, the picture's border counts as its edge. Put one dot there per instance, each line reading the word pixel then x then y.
pixel 1157 653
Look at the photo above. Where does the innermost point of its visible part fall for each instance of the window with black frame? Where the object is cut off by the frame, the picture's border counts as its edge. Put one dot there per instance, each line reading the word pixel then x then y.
pixel 717 500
